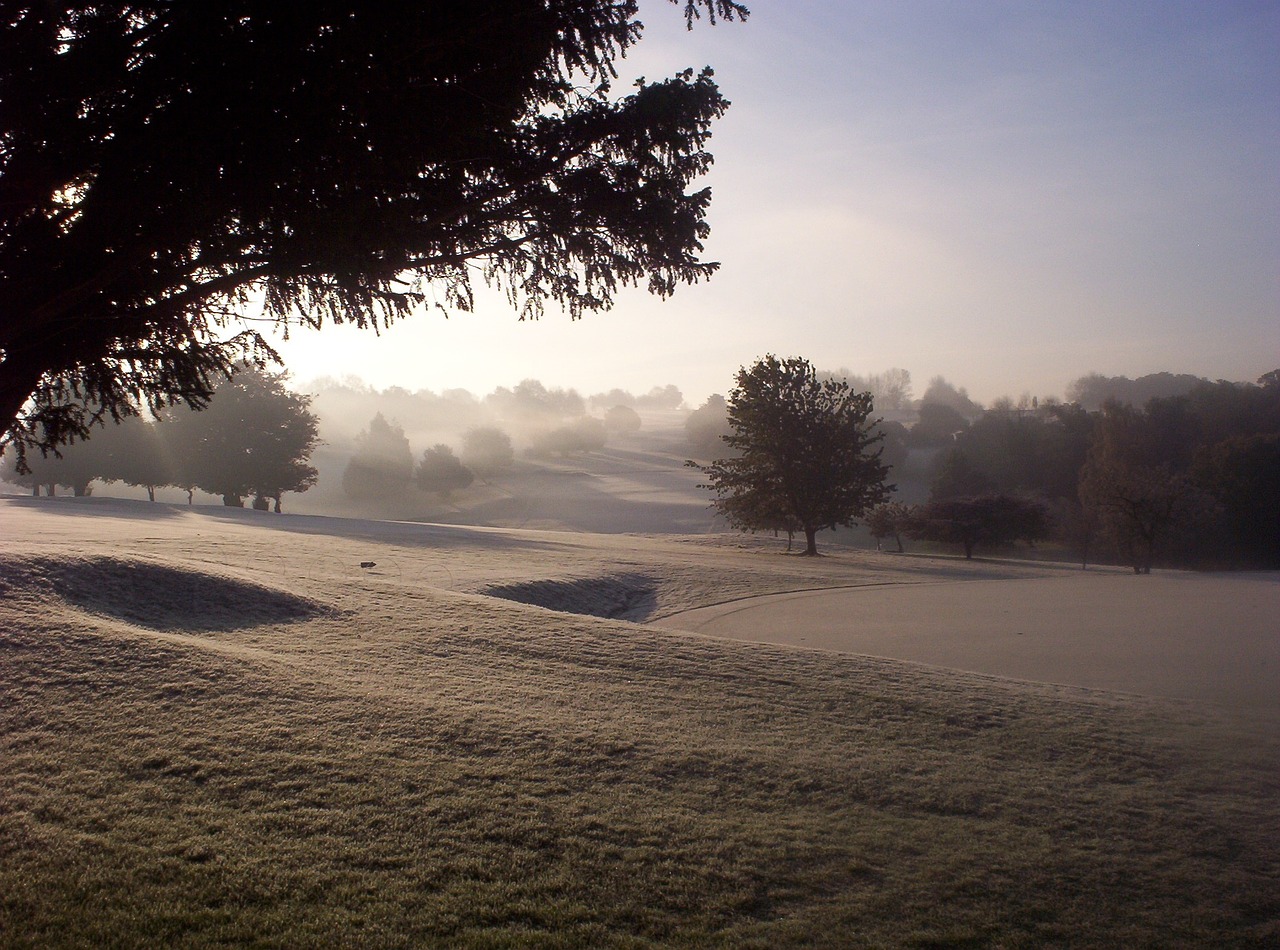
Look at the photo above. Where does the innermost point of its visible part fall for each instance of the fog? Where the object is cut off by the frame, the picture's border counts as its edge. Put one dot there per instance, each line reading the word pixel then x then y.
pixel 615 461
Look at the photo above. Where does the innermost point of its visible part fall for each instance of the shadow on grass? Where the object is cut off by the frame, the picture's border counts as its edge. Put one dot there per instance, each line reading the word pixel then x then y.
pixel 154 595
pixel 104 507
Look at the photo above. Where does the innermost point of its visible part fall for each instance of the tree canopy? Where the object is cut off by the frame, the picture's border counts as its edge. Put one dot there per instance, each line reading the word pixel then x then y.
pixel 806 452
pixel 163 164
pixel 255 437
pixel 441 472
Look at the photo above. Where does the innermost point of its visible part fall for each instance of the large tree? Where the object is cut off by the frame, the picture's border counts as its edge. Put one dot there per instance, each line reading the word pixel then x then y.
pixel 806 451
pixel 136 455
pixel 255 437
pixel 164 164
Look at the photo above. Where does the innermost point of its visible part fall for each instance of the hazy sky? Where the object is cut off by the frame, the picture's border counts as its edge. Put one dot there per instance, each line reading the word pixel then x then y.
pixel 1008 194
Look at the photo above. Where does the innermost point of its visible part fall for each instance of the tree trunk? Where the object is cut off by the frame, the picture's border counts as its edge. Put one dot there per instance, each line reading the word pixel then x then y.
pixel 233 501
pixel 191 495
pixel 277 507
pixel 35 490
pixel 810 542
pixel 897 537
pixel 968 550
pixel 151 492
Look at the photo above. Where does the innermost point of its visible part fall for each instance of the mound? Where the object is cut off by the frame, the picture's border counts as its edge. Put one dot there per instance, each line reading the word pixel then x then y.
pixel 616 596
pixel 157 596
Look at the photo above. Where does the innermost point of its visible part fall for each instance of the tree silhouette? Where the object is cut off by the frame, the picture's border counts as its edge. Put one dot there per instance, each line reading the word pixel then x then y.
pixel 1243 475
pixel 806 452
pixel 73 466
pixel 162 163
pixel 991 519
pixel 254 437
pixel 136 455
pixel 938 425
pixel 707 426
pixel 586 434
pixel 661 397
pixel 1132 491
pixel 890 520
pixel 622 419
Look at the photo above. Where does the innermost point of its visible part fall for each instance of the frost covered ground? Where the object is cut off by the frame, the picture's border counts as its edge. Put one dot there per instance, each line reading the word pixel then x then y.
pixel 217 727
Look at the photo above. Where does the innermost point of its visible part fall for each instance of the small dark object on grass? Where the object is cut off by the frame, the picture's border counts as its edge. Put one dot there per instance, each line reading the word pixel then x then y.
pixel 368 564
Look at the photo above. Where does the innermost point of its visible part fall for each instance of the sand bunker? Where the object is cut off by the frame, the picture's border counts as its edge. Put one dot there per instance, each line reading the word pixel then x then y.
pixel 616 596
pixel 156 596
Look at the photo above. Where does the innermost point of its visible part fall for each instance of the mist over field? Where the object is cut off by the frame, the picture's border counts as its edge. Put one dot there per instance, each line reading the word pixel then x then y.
pixel 616 461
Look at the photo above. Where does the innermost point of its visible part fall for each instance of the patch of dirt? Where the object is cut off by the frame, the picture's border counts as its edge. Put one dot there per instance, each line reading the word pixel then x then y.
pixel 156 596
pixel 615 596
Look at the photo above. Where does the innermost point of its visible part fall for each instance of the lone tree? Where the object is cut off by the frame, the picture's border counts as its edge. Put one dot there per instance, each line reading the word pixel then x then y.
pixel 162 164
pixel 806 456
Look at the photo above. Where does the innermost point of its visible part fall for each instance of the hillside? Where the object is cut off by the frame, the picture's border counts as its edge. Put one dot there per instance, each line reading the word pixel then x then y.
pixel 220 728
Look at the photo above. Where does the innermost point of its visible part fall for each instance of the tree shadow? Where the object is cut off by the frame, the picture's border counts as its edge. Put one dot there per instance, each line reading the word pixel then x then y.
pixel 105 507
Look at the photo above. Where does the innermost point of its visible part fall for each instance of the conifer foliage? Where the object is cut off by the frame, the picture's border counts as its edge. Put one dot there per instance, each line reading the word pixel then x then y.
pixel 163 164
pixel 806 458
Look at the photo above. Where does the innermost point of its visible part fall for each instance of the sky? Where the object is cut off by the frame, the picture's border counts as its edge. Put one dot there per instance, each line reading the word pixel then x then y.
pixel 1007 194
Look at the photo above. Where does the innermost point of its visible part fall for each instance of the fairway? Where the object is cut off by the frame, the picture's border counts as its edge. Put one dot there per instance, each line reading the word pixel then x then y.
pixel 1209 638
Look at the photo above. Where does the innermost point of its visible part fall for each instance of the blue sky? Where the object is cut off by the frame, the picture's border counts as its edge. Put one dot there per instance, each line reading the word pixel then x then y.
pixel 1006 194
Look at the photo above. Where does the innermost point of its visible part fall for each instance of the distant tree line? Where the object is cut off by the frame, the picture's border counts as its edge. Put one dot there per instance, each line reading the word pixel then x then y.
pixel 1190 479
pixel 253 440
pixel 1093 391
pixel 551 422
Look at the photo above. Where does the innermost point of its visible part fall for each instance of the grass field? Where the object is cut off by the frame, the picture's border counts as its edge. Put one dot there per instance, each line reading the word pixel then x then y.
pixel 216 728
